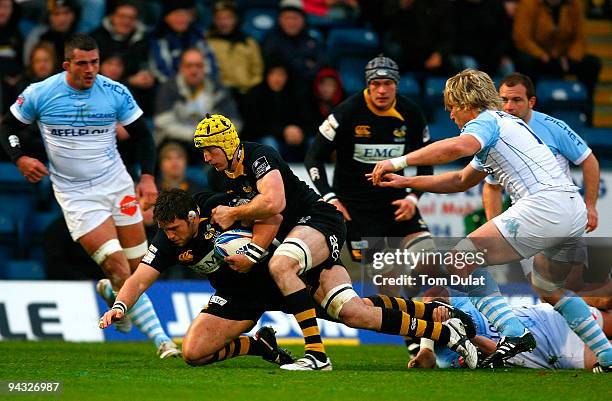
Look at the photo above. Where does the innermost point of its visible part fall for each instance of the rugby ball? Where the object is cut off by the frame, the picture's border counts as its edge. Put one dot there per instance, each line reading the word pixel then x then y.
pixel 229 242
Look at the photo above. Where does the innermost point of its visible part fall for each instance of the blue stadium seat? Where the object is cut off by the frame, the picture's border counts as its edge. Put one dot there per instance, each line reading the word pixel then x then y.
pixel 258 21
pixel 351 73
pixel 434 91
pixel 555 94
pixel 34 230
pixel 353 42
pixel 22 270
pixel 409 87
pixel 442 126
pixel 8 237
pixel 198 175
pixel 12 179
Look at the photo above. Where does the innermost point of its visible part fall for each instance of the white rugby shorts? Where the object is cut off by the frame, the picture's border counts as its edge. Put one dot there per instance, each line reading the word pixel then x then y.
pixel 86 207
pixel 551 222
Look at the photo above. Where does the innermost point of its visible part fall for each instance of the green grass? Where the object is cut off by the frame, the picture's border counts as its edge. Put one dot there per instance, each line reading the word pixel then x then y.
pixel 131 372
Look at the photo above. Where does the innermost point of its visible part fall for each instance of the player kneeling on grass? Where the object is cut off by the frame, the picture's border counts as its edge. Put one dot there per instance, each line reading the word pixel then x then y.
pixel 245 289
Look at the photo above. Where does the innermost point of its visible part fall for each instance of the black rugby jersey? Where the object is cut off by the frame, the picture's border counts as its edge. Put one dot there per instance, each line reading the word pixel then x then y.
pixel 198 255
pixel 362 135
pixel 255 161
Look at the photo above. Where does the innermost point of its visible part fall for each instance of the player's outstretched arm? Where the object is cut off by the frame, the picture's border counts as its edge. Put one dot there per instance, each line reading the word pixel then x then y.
pixel 441 152
pixel 450 182
pixel 32 169
pixel 132 289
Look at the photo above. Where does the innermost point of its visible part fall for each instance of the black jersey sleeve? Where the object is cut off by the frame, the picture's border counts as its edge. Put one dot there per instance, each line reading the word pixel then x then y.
pixel 262 161
pixel 9 136
pixel 319 152
pixel 159 255
pixel 145 149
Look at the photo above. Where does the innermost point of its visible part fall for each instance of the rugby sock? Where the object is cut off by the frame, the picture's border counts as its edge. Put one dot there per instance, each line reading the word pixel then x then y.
pixel 300 304
pixel 493 305
pixel 578 316
pixel 144 317
pixel 398 322
pixel 242 345
pixel 420 310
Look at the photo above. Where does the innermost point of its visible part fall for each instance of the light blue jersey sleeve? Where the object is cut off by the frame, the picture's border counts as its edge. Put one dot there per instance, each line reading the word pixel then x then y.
pixel 484 128
pixel 25 108
pixel 127 109
pixel 560 137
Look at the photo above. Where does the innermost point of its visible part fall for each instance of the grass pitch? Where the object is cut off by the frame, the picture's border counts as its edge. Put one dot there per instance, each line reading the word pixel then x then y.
pixel 132 372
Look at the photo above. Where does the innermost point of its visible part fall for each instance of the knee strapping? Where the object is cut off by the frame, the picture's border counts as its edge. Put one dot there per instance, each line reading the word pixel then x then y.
pixel 544 284
pixel 108 248
pixel 336 298
pixel 136 252
pixel 296 249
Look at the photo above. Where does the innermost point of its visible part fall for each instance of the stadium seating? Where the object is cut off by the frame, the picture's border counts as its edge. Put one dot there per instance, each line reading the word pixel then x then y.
pixel 434 91
pixel 198 175
pixel 258 21
pixel 409 87
pixel 22 270
pixel 8 237
pixel 352 42
pixel 351 73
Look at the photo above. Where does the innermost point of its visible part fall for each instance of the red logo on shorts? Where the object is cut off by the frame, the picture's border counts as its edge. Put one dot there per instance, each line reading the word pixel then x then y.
pixel 20 100
pixel 128 205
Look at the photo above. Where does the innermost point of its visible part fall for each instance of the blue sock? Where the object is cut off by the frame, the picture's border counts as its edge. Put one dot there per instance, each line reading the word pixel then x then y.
pixel 144 317
pixel 493 305
pixel 578 316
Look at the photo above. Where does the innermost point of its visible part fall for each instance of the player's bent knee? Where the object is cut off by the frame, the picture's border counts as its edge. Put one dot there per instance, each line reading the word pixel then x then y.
pixel 296 250
pixel 335 301
pixel 136 252
pixel 280 266
pixel 542 283
pixel 195 357
pixel 107 249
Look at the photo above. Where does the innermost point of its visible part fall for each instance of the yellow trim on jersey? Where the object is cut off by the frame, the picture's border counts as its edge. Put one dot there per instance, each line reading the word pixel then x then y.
pixel 239 170
pixel 391 112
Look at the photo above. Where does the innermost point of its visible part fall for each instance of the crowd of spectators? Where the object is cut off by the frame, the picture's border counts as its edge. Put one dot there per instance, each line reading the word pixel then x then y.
pixel 184 58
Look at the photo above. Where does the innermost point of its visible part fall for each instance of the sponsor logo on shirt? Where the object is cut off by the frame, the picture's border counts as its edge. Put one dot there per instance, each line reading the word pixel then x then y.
pixel 261 166
pixel 400 132
pixel 186 256
pixel 366 153
pixel 363 131
pixel 128 205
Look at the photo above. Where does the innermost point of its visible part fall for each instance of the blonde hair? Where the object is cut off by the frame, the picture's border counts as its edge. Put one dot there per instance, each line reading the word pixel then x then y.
pixel 471 89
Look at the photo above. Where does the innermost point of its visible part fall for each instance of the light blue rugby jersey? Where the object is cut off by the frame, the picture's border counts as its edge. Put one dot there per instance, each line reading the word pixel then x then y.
pixel 565 144
pixel 541 319
pixel 78 127
pixel 514 155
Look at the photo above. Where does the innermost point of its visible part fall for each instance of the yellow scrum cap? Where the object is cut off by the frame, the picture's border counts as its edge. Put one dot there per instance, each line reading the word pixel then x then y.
pixel 217 130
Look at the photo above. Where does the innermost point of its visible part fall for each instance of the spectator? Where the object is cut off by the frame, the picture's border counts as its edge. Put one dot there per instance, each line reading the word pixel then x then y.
pixel 41 66
pixel 11 44
pixel 291 41
pixel 183 100
pixel 549 35
pixel 112 67
pixel 331 12
pixel 63 17
pixel 273 114
pixel 176 33
pixel 124 35
pixel 327 93
pixel 238 55
pixel 420 35
pixel 482 38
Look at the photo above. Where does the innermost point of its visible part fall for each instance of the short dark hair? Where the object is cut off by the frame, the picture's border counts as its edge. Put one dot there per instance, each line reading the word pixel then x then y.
pixel 173 204
pixel 79 41
pixel 516 78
